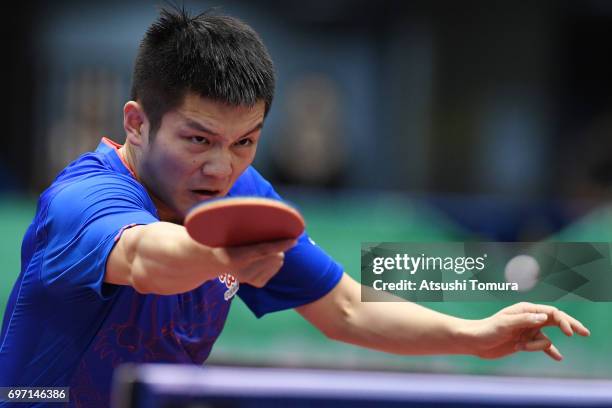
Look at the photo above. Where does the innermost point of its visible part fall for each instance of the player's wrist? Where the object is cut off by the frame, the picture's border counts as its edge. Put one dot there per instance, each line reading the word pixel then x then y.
pixel 465 336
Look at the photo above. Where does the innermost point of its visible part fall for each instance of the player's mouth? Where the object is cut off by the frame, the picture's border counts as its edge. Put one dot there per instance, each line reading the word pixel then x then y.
pixel 206 194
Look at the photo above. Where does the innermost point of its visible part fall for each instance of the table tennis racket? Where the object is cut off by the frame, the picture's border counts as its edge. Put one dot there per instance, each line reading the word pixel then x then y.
pixel 243 221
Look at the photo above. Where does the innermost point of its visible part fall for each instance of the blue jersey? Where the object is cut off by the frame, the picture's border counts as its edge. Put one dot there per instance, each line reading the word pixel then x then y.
pixel 64 326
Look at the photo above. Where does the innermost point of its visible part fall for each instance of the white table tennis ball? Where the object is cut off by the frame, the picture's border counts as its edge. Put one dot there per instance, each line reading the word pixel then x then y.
pixel 524 270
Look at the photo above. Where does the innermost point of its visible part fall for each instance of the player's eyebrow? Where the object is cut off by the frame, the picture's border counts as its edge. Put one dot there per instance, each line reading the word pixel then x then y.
pixel 256 128
pixel 198 126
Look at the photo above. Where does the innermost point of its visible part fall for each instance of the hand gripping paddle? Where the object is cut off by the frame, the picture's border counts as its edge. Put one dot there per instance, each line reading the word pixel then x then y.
pixel 243 221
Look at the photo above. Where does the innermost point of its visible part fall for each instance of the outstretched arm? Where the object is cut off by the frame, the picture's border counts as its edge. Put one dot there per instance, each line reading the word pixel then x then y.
pixel 162 258
pixel 402 327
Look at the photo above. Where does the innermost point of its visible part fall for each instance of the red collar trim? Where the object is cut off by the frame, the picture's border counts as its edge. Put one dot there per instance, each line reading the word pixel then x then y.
pixel 114 145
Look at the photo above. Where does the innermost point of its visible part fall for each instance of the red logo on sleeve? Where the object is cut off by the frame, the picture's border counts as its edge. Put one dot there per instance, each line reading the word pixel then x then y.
pixel 231 283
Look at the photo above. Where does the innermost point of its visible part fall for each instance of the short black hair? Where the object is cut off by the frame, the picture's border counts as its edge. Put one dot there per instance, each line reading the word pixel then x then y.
pixel 214 56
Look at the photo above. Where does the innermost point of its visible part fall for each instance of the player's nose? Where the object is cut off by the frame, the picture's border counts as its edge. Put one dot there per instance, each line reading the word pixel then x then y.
pixel 218 165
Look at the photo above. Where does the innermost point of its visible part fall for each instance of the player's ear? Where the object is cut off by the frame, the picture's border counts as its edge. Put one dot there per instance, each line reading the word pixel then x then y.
pixel 133 122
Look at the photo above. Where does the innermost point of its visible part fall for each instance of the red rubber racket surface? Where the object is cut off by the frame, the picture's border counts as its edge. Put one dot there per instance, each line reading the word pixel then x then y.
pixel 243 221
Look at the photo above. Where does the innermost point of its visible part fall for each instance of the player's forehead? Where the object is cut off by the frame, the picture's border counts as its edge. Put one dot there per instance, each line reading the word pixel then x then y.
pixel 216 114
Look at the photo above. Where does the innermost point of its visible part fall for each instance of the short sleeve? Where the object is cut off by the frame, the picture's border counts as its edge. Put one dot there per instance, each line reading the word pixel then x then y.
pixel 308 273
pixel 83 222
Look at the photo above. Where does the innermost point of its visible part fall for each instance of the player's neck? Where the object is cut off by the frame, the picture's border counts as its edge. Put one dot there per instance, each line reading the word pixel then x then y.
pixel 128 158
pixel 164 213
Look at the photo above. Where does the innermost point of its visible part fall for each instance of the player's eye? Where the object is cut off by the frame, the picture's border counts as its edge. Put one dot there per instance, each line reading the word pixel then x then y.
pixel 200 140
pixel 244 142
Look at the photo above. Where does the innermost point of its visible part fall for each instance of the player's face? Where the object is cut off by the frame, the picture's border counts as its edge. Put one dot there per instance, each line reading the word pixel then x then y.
pixel 198 153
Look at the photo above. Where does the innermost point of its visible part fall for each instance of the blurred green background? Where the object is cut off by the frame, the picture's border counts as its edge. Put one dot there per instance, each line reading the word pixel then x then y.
pixel 339 223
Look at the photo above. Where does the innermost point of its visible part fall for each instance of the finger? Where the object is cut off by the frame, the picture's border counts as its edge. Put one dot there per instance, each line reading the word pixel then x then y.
pixel 522 307
pixel 566 323
pixel 262 249
pixel 535 345
pixel 525 320
pixel 259 272
pixel 526 307
pixel 266 269
pixel 552 351
pixel 566 327
pixel 247 253
pixel 570 324
pixel 540 342
pixel 558 318
pixel 581 329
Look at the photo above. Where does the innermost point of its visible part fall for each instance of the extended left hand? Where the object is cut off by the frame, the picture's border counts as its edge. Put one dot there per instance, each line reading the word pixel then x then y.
pixel 518 328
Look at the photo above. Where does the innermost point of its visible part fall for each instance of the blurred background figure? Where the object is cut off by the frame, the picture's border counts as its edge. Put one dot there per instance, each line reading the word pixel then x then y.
pixel 310 148
pixel 392 121
pixel 92 99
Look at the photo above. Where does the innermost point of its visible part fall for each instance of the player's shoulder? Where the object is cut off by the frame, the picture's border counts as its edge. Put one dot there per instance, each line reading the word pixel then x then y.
pixel 251 183
pixel 91 179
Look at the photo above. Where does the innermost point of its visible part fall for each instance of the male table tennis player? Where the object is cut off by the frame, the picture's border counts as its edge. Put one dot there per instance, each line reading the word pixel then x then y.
pixel 110 275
